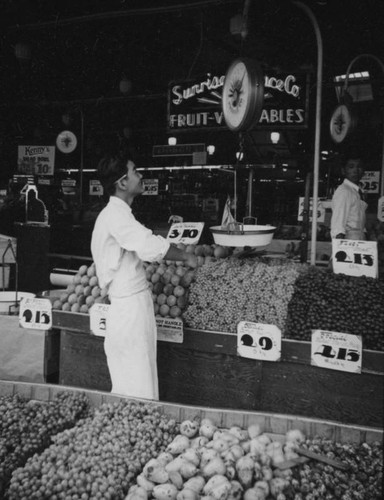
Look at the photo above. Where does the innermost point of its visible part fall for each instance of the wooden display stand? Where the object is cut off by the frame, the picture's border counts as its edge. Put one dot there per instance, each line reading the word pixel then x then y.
pixel 205 370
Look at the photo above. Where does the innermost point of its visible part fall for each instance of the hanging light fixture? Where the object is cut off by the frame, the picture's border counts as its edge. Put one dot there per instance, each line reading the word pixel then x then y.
pixel 172 141
pixel 275 137
pixel 239 155
pixel 211 149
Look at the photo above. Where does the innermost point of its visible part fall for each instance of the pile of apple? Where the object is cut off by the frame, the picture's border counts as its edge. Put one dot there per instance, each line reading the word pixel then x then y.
pixel 168 280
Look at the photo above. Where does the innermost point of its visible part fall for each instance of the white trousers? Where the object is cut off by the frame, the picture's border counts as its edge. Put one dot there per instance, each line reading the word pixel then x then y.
pixel 130 346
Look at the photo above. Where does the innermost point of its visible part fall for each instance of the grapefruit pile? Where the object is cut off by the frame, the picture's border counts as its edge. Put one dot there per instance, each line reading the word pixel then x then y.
pixel 168 280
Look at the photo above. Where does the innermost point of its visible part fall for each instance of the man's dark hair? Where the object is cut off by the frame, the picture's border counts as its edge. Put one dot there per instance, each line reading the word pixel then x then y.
pixel 110 169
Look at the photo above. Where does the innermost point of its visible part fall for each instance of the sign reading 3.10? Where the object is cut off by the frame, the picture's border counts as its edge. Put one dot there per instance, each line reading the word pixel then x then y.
pixel 185 232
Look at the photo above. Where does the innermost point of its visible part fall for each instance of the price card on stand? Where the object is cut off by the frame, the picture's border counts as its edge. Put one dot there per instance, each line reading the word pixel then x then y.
pixel 98 319
pixel 170 330
pixel 355 257
pixel 336 351
pixel 185 232
pixel 370 182
pixel 258 341
pixel 35 313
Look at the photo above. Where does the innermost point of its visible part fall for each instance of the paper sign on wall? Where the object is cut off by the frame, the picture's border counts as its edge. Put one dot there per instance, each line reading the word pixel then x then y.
pixel 98 319
pixel 355 257
pixel 258 341
pixel 35 313
pixel 370 182
pixel 336 351
pixel 151 187
pixel 185 232
pixel 320 210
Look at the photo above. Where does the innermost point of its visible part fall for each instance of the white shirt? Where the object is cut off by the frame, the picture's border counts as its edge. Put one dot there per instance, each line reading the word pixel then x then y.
pixel 348 210
pixel 119 246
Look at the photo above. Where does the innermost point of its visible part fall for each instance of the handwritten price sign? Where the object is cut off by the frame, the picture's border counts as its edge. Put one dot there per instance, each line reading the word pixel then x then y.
pixel 336 351
pixel 185 232
pixel 35 313
pixel 258 341
pixel 98 319
pixel 355 257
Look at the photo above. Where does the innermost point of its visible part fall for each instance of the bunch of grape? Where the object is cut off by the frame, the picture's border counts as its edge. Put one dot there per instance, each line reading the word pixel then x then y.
pixel 337 302
pixel 26 427
pixel 232 290
pixel 83 292
pixel 97 459
pixel 362 481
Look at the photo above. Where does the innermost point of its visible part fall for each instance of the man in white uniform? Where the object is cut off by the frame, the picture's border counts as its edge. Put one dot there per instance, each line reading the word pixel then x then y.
pixel 348 206
pixel 119 246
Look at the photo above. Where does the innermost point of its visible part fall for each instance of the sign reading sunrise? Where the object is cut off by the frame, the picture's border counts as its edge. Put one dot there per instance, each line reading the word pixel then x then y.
pixel 196 104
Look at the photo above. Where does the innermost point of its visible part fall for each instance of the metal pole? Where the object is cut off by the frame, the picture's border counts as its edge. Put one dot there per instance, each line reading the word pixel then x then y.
pixel 81 158
pixel 319 41
pixel 381 64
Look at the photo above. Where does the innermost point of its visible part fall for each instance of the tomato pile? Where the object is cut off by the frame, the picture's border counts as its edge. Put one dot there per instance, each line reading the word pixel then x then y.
pixel 336 302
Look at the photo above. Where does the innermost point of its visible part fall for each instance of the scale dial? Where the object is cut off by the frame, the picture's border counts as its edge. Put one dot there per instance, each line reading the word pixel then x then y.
pixel 342 123
pixel 243 94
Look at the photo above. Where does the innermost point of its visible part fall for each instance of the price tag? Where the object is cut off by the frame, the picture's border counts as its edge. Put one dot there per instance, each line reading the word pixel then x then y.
pixel 320 210
pixel 336 351
pixel 185 232
pixel 258 341
pixel 380 209
pixel 170 330
pixel 35 313
pixel 151 187
pixel 98 319
pixel 370 182
pixel 355 257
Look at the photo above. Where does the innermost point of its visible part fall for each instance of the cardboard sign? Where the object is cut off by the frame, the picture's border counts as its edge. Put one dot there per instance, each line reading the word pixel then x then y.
pixel 95 188
pixel 98 319
pixel 336 351
pixel 185 232
pixel 258 341
pixel 320 210
pixel 36 160
pixel 151 187
pixel 170 330
pixel 35 313
pixel 370 182
pixel 355 257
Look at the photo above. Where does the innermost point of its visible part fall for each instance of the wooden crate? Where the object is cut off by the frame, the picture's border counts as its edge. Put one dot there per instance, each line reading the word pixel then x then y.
pixel 271 423
pixel 26 354
pixel 205 370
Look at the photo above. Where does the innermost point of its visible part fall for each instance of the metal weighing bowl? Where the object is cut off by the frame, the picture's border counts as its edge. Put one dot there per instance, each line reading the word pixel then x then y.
pixel 241 235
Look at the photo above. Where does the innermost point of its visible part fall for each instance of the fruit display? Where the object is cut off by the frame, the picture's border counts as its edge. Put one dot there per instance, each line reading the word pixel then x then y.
pixel 98 458
pixel 337 302
pixel 169 282
pixel 129 450
pixel 207 462
pixel 232 290
pixel 224 289
pixel 26 427
pixel 82 293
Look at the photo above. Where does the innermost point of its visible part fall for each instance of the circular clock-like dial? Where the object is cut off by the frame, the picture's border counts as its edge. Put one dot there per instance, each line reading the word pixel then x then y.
pixel 341 123
pixel 243 94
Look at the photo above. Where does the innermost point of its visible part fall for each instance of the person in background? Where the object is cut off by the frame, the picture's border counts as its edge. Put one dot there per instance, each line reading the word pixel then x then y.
pixel 119 246
pixel 348 205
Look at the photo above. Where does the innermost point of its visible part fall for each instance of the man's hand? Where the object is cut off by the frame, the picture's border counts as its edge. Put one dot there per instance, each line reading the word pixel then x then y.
pixel 191 260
